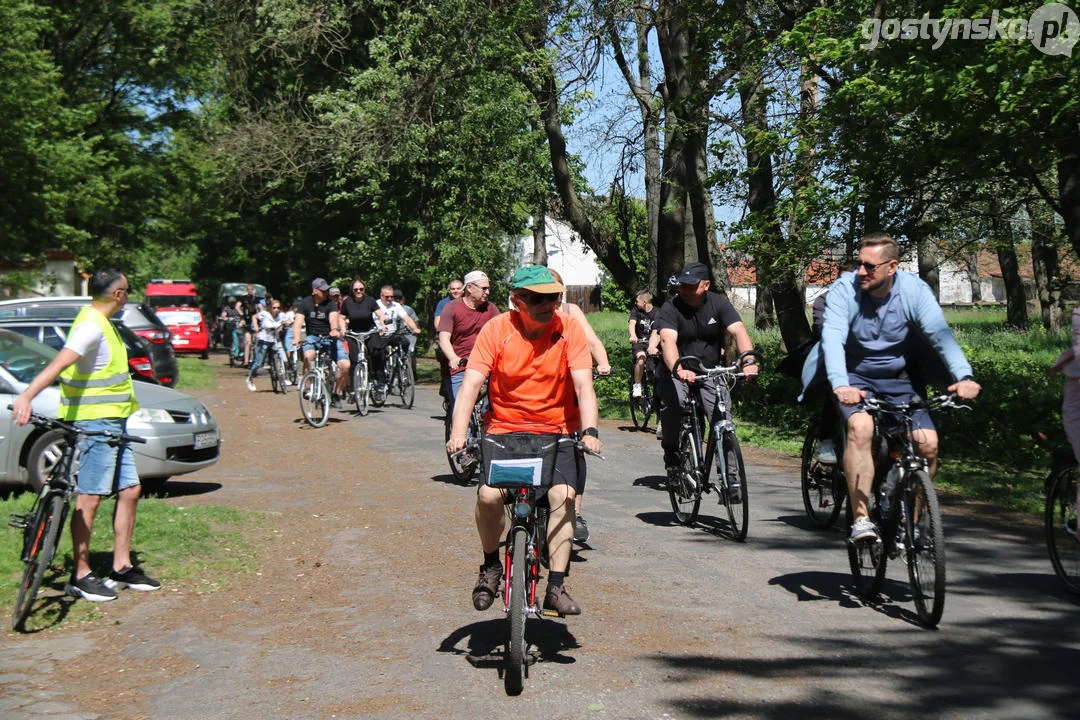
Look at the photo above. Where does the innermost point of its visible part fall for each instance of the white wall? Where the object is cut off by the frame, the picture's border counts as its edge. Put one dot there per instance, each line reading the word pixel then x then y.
pixel 567 254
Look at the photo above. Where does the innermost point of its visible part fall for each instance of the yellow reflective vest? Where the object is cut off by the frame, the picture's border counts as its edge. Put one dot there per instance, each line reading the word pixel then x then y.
pixel 106 393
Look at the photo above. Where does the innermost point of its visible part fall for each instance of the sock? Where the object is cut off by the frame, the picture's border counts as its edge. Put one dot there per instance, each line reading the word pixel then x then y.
pixel 555 579
pixel 492 558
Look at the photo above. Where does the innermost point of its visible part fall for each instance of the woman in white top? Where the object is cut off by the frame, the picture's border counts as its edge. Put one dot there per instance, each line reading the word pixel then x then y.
pixel 267 323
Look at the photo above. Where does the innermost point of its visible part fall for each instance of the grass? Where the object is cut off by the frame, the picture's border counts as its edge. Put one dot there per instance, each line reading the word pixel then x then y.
pixel 194 548
pixel 195 374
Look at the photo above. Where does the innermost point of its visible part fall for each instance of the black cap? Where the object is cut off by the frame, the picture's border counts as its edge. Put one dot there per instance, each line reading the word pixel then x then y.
pixel 694 273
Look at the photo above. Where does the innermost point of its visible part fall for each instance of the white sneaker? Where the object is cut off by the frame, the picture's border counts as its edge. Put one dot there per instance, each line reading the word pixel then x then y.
pixel 635 391
pixel 826 453
pixel 863 529
pixel 286 382
pixel 250 385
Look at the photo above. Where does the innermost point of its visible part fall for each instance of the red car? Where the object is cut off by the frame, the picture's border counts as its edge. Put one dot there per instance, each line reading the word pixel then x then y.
pixel 190 334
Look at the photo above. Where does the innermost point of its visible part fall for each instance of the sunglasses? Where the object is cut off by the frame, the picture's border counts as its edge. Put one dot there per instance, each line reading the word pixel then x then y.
pixel 871 267
pixel 358 289
pixel 533 299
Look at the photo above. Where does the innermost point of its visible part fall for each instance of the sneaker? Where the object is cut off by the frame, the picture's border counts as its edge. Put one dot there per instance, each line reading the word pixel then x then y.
pixel 581 530
pixel 826 453
pixel 487 586
pixel 89 587
pixel 335 401
pixel 285 382
pixel 132 578
pixel 863 529
pixel 659 431
pixel 250 384
pixel 635 391
pixel 557 599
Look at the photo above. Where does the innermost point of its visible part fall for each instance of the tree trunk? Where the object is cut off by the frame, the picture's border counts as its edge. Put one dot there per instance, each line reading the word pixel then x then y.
pixel 673 40
pixel 929 260
pixel 1045 265
pixel 973 277
pixel 1014 287
pixel 1068 169
pixel 764 308
pixel 539 233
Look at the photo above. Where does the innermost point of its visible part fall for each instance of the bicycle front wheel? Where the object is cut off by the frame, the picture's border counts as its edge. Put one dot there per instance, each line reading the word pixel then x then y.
pixel 39 545
pixel 685 488
pixel 867 561
pixel 1061 529
pixel 360 387
pixel 314 399
pixel 277 374
pixel 924 545
pixel 514 674
pixel 820 495
pixel 407 382
pixel 734 493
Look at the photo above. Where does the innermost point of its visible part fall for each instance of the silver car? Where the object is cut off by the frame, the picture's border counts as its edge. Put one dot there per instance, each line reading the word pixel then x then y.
pixel 181 434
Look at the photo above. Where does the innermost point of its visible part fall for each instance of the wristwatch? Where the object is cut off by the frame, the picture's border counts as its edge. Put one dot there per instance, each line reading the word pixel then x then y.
pixel 591 432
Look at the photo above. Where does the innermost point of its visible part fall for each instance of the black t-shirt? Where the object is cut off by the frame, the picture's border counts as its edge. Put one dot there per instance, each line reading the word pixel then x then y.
pixel 644 322
pixel 359 313
pixel 316 317
pixel 701 330
pixel 249 307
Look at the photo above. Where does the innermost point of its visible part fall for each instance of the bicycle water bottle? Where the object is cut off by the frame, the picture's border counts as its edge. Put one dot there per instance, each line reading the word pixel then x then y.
pixel 887 488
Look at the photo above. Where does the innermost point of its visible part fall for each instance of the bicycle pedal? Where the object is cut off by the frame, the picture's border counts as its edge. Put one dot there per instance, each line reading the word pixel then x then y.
pixel 546 612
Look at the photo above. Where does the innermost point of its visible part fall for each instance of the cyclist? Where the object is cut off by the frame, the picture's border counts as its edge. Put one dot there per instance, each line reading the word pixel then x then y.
pixel 249 308
pixel 318 313
pixel 359 312
pixel 881 328
pixel 540 380
pixel 96 394
pixel 460 323
pixel 232 319
pixel 399 298
pixel 454 291
pixel 268 326
pixel 1069 363
pixel 694 322
pixel 393 314
pixel 642 318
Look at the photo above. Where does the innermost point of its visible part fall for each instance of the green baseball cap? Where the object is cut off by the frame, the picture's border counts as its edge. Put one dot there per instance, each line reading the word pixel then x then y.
pixel 536 278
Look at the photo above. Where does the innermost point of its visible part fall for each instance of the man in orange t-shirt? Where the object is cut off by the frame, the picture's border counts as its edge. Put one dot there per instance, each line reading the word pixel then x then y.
pixel 540 381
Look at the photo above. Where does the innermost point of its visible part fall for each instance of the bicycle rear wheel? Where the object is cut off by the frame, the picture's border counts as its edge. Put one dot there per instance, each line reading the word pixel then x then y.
pixel 867 561
pixel 360 387
pixel 407 383
pixel 515 671
pixel 314 399
pixel 39 545
pixel 924 545
pixel 640 407
pixel 685 488
pixel 736 500
pixel 1061 520
pixel 820 495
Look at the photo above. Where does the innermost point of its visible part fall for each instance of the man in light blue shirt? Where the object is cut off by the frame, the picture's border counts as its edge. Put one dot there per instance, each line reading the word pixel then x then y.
pixel 873 319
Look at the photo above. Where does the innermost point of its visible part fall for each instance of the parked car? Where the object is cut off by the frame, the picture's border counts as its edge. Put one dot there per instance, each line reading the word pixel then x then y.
pixel 52 328
pixel 137 317
pixel 188 328
pixel 182 435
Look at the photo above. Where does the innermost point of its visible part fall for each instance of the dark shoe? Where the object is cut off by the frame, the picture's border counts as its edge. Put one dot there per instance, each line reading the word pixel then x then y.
pixel 581 530
pixel 557 599
pixel 132 578
pixel 487 586
pixel 89 587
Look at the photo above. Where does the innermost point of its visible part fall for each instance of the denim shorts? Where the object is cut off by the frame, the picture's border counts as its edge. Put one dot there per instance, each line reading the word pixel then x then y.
pixel 104 468
pixel 337 348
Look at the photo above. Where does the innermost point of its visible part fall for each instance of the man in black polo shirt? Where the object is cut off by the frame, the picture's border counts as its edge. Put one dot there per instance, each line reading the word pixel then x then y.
pixel 319 314
pixel 693 323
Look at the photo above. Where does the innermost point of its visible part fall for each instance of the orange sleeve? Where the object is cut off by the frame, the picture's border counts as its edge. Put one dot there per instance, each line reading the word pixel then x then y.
pixel 578 356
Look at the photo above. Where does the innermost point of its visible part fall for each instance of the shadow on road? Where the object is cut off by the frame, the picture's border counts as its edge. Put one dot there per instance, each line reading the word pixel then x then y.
pixel 484 642
pixel 180 488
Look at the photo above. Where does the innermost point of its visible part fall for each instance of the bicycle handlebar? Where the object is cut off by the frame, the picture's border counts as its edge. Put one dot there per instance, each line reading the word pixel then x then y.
pixel 870 403
pixel 719 371
pixel 43 421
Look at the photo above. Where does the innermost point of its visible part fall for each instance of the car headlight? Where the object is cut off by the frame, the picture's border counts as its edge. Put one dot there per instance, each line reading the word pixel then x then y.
pixel 143 417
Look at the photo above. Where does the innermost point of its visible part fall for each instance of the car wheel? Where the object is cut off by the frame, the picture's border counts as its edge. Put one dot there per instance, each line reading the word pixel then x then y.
pixel 43 456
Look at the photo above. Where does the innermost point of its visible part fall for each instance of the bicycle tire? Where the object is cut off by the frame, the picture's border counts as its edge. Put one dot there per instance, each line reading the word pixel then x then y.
pixel 461 473
pixel 516 668
pixel 277 374
pixel 1060 518
pixel 738 512
pixel 408 384
pixel 819 484
pixel 924 546
pixel 868 561
pixel 360 388
pixel 314 399
pixel 39 546
pixel 640 408
pixel 686 501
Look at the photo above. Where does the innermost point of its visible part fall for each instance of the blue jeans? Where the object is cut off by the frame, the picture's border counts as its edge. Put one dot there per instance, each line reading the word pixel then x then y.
pixel 260 352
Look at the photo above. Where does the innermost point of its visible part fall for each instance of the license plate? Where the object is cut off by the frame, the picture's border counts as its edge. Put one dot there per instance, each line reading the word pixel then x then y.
pixel 180 341
pixel 206 439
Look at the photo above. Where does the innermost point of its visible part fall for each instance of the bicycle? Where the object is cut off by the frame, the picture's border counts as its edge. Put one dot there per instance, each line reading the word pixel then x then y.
pixel 695 461
pixel 463 463
pixel 359 374
pixel 235 334
pixel 316 386
pixel 279 381
pixel 520 463
pixel 400 379
pixel 294 360
pixel 824 487
pixel 904 506
pixel 43 524
pixel 1060 518
pixel 643 407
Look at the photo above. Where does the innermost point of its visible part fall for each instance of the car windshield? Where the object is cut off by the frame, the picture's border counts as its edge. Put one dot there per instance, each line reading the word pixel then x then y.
pixel 179 317
pixel 22 357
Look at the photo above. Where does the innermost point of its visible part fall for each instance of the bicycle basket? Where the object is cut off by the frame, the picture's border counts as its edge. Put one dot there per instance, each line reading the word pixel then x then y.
pixel 516 459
